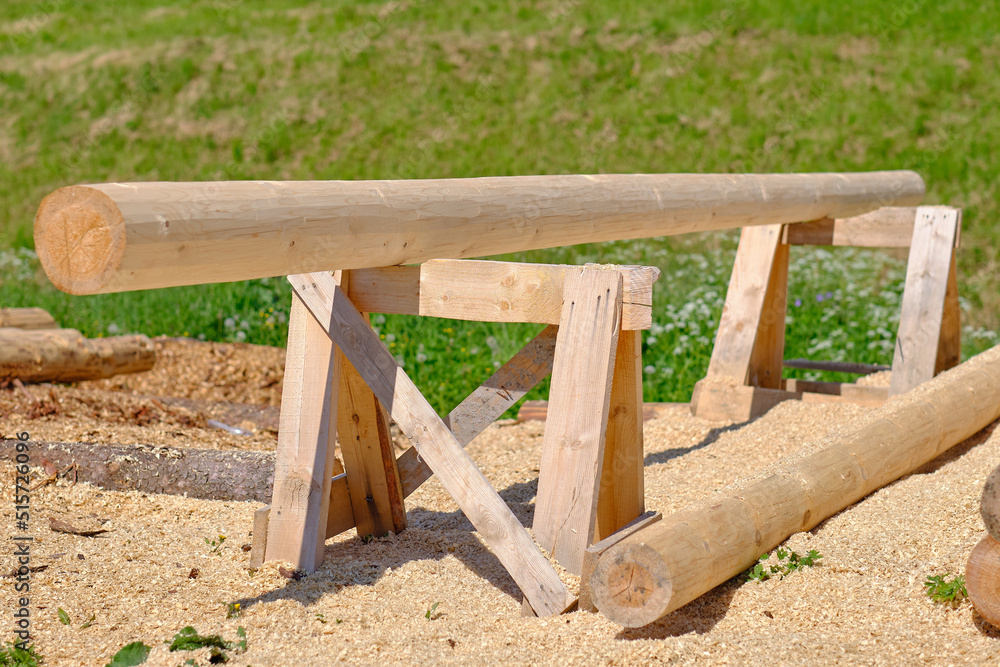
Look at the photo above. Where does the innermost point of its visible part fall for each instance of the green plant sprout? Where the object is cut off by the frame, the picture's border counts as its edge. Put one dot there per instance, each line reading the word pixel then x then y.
pixel 940 589
pixel 13 656
pixel 787 561
pixel 432 614
pixel 215 544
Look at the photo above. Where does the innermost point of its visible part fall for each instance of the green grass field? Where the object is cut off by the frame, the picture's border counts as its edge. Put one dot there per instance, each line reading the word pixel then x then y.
pixel 95 92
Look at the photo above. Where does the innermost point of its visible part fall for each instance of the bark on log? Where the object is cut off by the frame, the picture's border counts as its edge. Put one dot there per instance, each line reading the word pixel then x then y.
pixel 200 473
pixel 673 562
pixel 989 504
pixel 64 355
pixel 27 318
pixel 115 237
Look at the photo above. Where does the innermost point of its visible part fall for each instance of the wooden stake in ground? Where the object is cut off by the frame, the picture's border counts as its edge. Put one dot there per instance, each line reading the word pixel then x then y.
pixel 64 355
pixel 671 563
pixel 116 237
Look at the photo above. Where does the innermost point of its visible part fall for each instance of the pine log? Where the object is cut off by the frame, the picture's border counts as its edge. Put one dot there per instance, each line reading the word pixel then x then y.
pixel 673 562
pixel 199 473
pixel 64 355
pixel 115 237
pixel 982 579
pixel 27 318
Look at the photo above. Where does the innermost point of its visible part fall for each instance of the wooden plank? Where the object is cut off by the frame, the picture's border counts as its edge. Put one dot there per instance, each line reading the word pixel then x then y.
pixel 369 455
pixel 304 461
pixel 855 393
pixel 258 543
pixel 485 291
pixel 621 496
pixel 594 551
pixel 745 300
pixel 579 400
pixel 113 237
pixel 887 227
pixel 487 403
pixel 435 443
pixel 927 278
pixel 538 410
pixel 949 352
pixel 766 360
pixel 341 515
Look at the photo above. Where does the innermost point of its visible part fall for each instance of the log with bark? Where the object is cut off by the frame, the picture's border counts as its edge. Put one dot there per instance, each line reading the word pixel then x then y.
pixel 199 473
pixel 64 355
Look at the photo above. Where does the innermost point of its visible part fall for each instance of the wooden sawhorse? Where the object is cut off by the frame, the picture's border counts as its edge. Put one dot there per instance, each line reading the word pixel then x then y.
pixel 744 374
pixel 339 377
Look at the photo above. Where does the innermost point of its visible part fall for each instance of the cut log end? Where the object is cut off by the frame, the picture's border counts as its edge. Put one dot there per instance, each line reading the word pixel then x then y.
pixel 631 585
pixel 80 238
pixel 982 579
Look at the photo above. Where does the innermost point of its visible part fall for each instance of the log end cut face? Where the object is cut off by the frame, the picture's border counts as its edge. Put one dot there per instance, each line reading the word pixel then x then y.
pixel 631 585
pixel 80 238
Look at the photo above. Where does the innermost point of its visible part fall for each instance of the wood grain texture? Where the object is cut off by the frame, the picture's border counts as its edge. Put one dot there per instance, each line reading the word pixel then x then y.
pixel 687 554
pixel 369 455
pixel 767 357
pixel 887 227
pixel 989 504
pixel 115 237
pixel 621 495
pixel 435 443
pixel 594 551
pixel 982 579
pixel 484 291
pixel 924 293
pixel 531 365
pixel 949 352
pixel 579 400
pixel 744 309
pixel 306 437
pixel 340 516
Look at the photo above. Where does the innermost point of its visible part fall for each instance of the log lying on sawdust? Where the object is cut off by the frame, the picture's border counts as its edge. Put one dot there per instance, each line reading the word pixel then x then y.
pixel 667 565
pixel 64 355
pixel 199 473
pixel 27 318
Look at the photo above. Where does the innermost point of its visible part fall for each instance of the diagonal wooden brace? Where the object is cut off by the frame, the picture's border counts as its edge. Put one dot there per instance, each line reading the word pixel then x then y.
pixel 434 442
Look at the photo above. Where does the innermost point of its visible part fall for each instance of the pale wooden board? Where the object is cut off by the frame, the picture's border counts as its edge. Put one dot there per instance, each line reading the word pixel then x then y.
pixel 304 461
pixel 435 443
pixel 744 307
pixel 949 352
pixel 594 551
pixel 538 410
pixel 767 358
pixel 341 514
pixel 487 403
pixel 489 291
pixel 369 458
pixel 621 497
pixel 927 277
pixel 887 227
pixel 579 400
pixel 724 400
pixel 858 393
pixel 258 544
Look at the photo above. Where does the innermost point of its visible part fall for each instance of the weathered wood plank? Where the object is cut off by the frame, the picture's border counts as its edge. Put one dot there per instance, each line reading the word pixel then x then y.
pixel 579 400
pixel 887 227
pixel 304 463
pixel 927 278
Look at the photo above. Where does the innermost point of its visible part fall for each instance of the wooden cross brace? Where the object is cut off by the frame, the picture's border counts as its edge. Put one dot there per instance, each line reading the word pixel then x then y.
pixel 590 483
pixel 744 377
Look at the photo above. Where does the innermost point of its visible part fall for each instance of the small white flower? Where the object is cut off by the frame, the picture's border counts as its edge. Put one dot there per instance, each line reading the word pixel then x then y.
pixel 241 336
pixel 400 361
pixel 649 370
pixel 229 323
pixel 421 357
pixel 113 328
pixel 390 338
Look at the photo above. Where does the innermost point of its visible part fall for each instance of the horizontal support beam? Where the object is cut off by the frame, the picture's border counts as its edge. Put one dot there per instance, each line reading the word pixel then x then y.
pixel 835 366
pixel 887 227
pixel 489 291
pixel 116 237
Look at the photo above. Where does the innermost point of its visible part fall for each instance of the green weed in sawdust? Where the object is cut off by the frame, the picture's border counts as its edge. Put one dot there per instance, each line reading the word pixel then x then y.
pixel 785 562
pixel 944 590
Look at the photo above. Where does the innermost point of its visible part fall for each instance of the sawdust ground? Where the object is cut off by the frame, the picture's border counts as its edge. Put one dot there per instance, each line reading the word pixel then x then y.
pixel 368 603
